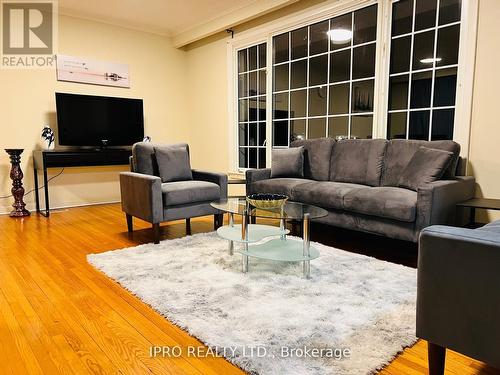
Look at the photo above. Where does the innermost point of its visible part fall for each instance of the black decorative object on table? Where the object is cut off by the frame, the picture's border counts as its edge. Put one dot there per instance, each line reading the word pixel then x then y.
pixel 16 174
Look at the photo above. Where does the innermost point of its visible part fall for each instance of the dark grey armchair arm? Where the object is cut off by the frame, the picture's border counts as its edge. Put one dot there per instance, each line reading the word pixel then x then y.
pixel 141 196
pixel 436 201
pixel 458 304
pixel 215 177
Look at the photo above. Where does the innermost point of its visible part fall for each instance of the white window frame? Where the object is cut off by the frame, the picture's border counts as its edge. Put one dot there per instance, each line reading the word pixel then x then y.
pixel 265 33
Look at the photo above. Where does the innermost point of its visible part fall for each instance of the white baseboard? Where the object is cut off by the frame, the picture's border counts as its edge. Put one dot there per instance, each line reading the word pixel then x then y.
pixel 31 207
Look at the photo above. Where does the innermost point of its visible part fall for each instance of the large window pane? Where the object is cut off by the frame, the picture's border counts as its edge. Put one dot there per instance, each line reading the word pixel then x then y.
pixel 432 87
pixel 319 38
pixel 280 48
pixel 299 43
pixel 242 85
pixel 280 133
pixel 316 128
pixel 402 17
pixel 447 45
pixel 425 14
pixel 421 85
pixel 298 130
pixel 298 74
pixel 243 110
pixel 252 109
pixel 449 11
pixel 281 77
pixel 317 101
pixel 419 125
pixel 442 124
pixel 396 125
pixel 335 78
pixel 423 50
pixel 363 64
pixel 445 87
pixel 365 25
pixel 262 81
pixel 252 134
pixel 280 106
pixel 400 55
pixel 252 58
pixel 318 70
pixel 262 55
pixel 362 96
pixel 338 127
pixel 339 99
pixel 398 92
pixel 362 126
pixel 341 31
pixel 242 61
pixel 252 83
pixel 298 103
pixel 340 66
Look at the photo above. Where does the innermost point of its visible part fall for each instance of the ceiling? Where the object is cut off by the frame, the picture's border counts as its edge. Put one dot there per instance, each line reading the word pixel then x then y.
pixel 167 17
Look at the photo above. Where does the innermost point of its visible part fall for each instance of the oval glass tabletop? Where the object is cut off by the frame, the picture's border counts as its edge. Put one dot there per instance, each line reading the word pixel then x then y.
pixel 290 210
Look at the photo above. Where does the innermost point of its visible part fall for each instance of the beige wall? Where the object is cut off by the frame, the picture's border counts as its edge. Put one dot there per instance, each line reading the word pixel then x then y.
pixel 158 75
pixel 485 131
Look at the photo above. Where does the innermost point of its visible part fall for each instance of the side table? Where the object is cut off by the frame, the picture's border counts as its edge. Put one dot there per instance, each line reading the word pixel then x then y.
pixel 482 203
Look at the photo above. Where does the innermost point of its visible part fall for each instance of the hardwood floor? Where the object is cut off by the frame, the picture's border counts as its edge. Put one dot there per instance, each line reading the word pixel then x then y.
pixel 58 315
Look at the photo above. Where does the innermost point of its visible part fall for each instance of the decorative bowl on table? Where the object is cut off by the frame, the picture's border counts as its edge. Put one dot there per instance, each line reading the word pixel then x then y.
pixel 267 201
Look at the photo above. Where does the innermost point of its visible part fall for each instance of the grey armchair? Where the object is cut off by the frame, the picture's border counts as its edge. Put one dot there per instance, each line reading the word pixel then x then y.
pixel 458 299
pixel 145 196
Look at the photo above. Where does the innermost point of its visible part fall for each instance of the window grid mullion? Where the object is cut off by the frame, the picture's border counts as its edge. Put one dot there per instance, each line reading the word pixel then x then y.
pixel 349 123
pixel 434 70
pixel 411 70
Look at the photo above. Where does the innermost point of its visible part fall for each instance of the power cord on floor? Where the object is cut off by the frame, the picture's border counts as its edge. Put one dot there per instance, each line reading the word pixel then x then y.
pixel 32 190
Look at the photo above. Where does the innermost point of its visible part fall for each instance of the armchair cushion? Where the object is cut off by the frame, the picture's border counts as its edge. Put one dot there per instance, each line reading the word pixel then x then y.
pixel 426 165
pixel 173 163
pixel 288 163
pixel 187 192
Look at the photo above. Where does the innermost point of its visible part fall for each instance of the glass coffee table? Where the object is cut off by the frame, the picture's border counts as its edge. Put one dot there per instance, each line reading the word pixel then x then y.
pixel 277 249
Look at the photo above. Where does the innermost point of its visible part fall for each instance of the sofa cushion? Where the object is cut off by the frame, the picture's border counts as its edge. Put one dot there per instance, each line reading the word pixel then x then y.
pixel 387 202
pixel 276 186
pixel 187 192
pixel 400 151
pixel 173 163
pixel 358 161
pixel 317 155
pixel 327 194
pixel 427 165
pixel 288 162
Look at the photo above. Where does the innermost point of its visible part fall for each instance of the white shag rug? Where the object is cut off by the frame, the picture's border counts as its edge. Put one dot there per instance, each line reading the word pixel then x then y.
pixel 351 302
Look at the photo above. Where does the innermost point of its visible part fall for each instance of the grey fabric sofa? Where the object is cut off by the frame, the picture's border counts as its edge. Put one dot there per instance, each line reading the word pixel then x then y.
pixel 458 303
pixel 356 181
pixel 143 195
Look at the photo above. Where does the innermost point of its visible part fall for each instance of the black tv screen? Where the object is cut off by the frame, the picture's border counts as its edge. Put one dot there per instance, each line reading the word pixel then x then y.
pixel 84 120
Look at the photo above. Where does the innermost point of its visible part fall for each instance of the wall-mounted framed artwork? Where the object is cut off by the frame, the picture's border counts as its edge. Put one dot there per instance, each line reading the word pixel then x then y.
pixel 83 70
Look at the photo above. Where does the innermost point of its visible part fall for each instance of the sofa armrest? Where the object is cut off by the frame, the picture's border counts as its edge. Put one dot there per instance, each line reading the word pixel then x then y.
pixel 436 201
pixel 458 304
pixel 254 175
pixel 141 196
pixel 215 177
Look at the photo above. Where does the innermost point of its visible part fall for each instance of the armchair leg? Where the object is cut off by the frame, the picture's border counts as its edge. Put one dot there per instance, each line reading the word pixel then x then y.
pixel 188 226
pixel 130 225
pixel 218 221
pixel 437 359
pixel 156 233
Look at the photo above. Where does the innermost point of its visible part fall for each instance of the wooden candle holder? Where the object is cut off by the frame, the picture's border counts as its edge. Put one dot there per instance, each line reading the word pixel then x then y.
pixel 16 175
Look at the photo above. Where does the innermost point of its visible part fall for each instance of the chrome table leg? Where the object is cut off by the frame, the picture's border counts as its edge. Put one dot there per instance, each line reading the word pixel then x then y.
pixel 282 228
pixel 244 237
pixel 306 264
pixel 231 224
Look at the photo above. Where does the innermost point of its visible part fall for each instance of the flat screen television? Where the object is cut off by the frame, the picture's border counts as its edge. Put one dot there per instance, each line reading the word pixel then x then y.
pixel 84 120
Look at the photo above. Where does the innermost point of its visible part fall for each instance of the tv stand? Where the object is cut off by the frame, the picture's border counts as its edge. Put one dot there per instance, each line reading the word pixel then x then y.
pixel 44 159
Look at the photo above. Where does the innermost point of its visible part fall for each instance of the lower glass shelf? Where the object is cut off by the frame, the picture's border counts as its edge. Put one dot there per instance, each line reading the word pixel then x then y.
pixel 256 232
pixel 280 250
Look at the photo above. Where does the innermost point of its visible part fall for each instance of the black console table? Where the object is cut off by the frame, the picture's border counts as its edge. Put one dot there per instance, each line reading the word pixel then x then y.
pixel 43 160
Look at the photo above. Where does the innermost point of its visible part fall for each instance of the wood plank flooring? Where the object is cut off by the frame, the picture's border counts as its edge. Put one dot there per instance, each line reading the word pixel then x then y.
pixel 58 315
